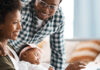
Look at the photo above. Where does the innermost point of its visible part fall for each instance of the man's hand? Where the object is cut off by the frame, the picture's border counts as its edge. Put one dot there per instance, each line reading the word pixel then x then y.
pixel 75 66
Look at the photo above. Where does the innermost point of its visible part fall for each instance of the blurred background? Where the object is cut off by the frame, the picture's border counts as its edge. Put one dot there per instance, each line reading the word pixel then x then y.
pixel 82 19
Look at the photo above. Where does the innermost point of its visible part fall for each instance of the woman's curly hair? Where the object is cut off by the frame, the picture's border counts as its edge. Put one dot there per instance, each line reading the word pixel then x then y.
pixel 7 6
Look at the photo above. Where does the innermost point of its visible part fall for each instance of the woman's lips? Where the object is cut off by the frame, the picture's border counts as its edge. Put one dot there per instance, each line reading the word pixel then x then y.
pixel 16 33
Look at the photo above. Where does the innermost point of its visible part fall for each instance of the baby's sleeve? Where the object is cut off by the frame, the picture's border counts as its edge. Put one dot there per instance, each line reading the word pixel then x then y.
pixel 23 65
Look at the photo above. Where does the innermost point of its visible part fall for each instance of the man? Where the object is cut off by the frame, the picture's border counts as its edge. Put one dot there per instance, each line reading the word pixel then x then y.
pixel 41 18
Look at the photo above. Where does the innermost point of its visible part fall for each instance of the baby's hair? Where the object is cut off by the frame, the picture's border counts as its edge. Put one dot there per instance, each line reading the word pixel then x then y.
pixel 7 6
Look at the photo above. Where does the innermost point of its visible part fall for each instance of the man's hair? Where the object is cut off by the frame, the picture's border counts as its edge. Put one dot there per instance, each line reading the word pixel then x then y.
pixel 7 6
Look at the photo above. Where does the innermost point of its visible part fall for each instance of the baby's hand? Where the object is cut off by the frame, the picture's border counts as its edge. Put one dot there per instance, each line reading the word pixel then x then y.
pixel 51 68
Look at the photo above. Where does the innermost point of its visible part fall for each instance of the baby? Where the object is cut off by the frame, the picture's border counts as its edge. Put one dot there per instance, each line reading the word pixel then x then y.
pixel 33 55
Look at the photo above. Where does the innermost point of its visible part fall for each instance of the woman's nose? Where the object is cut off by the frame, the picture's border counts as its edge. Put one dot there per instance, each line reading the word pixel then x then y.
pixel 19 26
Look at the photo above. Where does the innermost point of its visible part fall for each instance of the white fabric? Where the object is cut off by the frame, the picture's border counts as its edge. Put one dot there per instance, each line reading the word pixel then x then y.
pixel 97 59
pixel 22 65
pixel 92 66
pixel 27 66
pixel 39 22
pixel 14 61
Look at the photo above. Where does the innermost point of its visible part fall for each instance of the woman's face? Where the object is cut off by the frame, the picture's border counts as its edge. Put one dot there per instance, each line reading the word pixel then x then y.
pixel 46 8
pixel 11 27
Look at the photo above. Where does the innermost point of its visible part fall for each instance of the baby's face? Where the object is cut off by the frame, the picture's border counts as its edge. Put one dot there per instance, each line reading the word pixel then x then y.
pixel 32 55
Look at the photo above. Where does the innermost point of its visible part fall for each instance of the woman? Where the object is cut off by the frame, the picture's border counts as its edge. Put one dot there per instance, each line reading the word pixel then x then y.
pixel 9 29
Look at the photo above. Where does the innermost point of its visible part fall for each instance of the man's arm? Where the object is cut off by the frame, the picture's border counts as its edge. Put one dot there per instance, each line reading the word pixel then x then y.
pixel 57 42
pixel 57 49
pixel 5 63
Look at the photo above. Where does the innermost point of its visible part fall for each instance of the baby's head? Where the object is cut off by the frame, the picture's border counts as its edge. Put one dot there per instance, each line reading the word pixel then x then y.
pixel 31 55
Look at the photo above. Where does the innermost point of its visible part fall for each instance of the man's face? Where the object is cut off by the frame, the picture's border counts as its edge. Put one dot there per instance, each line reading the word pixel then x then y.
pixel 46 8
pixel 11 26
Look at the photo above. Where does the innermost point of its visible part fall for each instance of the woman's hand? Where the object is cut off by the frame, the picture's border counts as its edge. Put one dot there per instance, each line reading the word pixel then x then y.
pixel 75 66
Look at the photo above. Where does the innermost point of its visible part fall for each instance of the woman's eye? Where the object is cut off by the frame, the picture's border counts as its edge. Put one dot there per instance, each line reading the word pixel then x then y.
pixel 15 23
